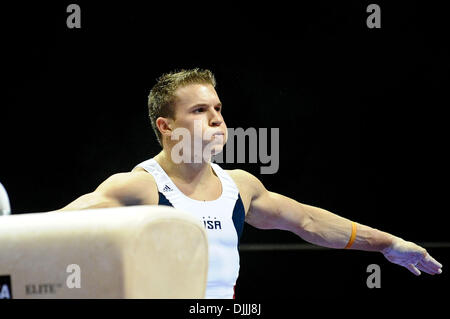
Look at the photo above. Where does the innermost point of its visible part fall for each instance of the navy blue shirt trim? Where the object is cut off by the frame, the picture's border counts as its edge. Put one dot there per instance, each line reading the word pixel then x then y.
pixel 163 200
pixel 239 217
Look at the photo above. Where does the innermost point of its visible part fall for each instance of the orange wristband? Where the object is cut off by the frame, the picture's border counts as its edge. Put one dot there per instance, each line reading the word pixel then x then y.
pixel 352 236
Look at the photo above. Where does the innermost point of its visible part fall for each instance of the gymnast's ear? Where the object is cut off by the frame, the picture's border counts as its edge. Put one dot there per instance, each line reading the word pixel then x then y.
pixel 165 125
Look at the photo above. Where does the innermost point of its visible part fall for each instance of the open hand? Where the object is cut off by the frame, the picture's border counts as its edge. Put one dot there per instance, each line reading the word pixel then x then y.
pixel 411 256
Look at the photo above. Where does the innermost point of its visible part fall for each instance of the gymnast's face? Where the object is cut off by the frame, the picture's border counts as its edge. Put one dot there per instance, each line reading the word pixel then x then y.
pixel 199 110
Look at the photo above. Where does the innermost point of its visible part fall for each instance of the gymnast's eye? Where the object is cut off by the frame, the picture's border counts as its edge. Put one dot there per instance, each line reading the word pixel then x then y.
pixel 199 110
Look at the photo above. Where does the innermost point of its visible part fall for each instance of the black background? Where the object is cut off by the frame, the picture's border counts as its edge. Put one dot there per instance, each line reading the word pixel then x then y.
pixel 361 112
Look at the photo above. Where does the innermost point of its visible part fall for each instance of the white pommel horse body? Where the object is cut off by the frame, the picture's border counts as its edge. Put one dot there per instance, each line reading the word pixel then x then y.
pixel 156 252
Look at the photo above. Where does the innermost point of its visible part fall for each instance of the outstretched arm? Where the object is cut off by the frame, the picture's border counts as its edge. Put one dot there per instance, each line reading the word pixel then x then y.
pixel 269 210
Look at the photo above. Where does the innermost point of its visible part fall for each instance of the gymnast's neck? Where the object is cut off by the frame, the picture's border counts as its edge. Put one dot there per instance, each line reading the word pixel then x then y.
pixel 188 172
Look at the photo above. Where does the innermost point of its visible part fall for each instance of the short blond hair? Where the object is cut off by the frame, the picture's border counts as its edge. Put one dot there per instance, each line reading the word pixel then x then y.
pixel 162 95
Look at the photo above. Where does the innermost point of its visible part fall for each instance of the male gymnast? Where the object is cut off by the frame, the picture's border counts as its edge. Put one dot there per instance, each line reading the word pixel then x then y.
pixel 186 101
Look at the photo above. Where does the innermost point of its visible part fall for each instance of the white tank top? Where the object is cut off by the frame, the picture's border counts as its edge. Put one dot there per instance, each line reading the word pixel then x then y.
pixel 223 219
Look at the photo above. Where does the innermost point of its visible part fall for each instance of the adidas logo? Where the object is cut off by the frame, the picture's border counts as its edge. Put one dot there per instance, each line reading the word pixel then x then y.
pixel 167 189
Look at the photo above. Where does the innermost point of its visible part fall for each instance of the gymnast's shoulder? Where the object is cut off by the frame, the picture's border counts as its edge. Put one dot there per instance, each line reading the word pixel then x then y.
pixel 121 189
pixel 137 186
pixel 245 180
